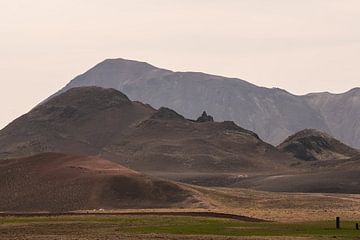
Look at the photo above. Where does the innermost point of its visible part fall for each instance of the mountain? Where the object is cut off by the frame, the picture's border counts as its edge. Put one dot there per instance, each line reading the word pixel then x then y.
pixel 58 183
pixel 341 114
pixel 311 144
pixel 104 122
pixel 273 113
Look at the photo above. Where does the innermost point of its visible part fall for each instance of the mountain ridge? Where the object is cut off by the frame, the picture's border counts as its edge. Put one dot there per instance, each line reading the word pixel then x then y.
pixel 272 113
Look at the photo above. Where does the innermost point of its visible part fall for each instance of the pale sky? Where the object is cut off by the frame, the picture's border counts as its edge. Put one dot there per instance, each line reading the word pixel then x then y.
pixel 299 45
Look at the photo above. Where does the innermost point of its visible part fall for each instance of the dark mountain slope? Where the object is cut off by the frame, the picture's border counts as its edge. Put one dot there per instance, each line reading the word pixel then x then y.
pixel 81 120
pixel 176 145
pixel 312 145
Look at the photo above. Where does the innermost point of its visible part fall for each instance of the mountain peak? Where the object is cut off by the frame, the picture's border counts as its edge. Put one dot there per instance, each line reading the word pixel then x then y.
pixel 307 133
pixel 127 62
pixel 167 114
pixel 94 96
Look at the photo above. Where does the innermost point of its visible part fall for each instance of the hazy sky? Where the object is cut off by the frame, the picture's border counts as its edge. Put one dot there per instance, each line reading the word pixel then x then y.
pixel 300 45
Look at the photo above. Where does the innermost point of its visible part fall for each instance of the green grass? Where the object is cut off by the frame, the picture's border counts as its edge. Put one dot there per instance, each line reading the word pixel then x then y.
pixel 194 226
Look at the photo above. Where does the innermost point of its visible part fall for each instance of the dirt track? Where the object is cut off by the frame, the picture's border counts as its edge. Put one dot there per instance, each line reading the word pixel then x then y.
pixel 188 214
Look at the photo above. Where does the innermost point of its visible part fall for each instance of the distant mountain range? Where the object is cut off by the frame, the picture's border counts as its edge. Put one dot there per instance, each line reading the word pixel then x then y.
pixel 272 113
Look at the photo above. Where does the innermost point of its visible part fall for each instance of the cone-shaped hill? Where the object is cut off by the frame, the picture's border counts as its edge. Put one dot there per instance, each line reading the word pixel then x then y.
pixel 58 183
pixel 311 144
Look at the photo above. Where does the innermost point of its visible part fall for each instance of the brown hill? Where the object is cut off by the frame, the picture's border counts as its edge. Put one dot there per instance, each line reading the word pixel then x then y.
pixel 79 121
pixel 58 182
pixel 311 144
pixel 174 144
pixel 104 122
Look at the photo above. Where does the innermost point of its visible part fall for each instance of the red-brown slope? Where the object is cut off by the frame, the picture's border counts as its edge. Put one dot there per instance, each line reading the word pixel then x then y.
pixel 58 182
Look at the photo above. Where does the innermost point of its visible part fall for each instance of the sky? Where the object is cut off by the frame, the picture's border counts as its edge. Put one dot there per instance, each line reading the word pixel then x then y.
pixel 299 45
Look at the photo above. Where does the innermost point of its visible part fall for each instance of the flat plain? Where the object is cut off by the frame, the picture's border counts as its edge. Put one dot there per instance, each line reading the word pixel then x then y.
pixel 272 216
pixel 165 227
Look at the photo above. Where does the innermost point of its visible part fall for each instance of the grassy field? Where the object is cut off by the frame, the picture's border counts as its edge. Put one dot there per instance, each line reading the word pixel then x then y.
pixel 164 227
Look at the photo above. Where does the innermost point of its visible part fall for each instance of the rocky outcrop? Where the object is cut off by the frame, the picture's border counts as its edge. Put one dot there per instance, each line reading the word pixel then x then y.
pixel 205 118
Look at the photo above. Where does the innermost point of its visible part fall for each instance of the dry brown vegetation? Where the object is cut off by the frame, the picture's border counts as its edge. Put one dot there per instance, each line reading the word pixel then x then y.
pixel 279 207
pixel 283 207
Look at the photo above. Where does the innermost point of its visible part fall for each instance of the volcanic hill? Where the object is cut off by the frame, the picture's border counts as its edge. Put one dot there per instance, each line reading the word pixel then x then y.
pixel 58 183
